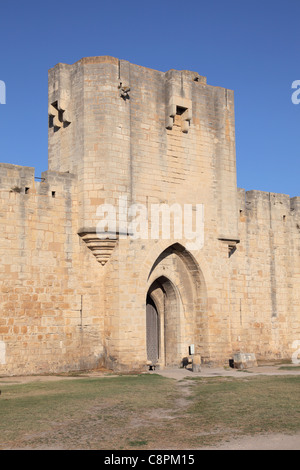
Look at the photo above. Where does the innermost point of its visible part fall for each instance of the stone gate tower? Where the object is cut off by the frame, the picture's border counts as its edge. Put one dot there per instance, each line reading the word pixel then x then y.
pixel 102 269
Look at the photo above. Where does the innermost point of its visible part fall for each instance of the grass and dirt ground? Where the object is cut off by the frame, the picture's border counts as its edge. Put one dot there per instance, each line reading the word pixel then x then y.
pixel 149 411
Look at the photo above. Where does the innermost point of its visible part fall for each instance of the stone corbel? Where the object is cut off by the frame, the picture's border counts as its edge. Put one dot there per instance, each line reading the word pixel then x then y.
pixel 101 247
pixel 231 243
pixel 170 115
pixel 186 118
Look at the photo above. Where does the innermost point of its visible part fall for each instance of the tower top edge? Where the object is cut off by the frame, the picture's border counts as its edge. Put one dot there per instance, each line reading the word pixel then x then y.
pixel 115 61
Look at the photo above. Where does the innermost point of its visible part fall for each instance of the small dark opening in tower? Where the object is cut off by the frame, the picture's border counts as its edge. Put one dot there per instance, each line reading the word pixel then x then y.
pixel 53 193
pixel 60 115
pixel 27 190
pixel 180 110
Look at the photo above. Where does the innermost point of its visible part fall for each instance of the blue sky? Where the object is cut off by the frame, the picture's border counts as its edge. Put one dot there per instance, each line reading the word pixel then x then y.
pixel 250 47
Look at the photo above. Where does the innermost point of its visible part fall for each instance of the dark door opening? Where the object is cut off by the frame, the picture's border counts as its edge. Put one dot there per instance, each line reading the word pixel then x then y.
pixel 152 327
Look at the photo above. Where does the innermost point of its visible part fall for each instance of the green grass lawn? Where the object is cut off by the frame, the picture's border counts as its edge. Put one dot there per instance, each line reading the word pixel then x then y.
pixel 245 406
pixel 145 411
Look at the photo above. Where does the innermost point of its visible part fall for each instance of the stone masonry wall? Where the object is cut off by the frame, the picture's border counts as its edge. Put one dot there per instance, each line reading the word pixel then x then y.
pixel 50 291
pixel 72 300
pixel 265 276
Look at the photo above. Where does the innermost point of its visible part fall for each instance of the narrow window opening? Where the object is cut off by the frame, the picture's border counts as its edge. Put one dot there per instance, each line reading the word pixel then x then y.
pixel 180 110
pixel 60 115
pixel 27 190
pixel 53 193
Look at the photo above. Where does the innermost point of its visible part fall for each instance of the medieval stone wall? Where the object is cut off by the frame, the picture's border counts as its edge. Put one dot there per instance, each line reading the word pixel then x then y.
pixel 49 291
pixel 129 137
pixel 265 275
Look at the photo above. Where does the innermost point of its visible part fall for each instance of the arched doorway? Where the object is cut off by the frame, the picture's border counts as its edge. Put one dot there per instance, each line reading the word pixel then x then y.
pixel 153 331
pixel 176 308
pixel 163 322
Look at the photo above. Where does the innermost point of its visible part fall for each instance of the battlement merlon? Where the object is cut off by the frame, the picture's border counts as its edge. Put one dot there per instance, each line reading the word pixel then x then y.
pixel 267 205
pixel 16 178
pixel 22 180
pixel 295 205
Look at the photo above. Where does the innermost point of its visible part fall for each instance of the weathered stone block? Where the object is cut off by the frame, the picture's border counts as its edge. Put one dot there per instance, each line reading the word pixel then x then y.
pixel 196 363
pixel 244 360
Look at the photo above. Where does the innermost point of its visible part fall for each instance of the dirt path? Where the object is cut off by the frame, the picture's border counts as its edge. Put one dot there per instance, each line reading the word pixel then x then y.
pixel 269 370
pixel 259 442
pixel 174 373
pixel 264 442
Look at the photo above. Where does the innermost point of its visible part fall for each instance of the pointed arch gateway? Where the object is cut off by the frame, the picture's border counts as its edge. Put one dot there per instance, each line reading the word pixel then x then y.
pixel 175 308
